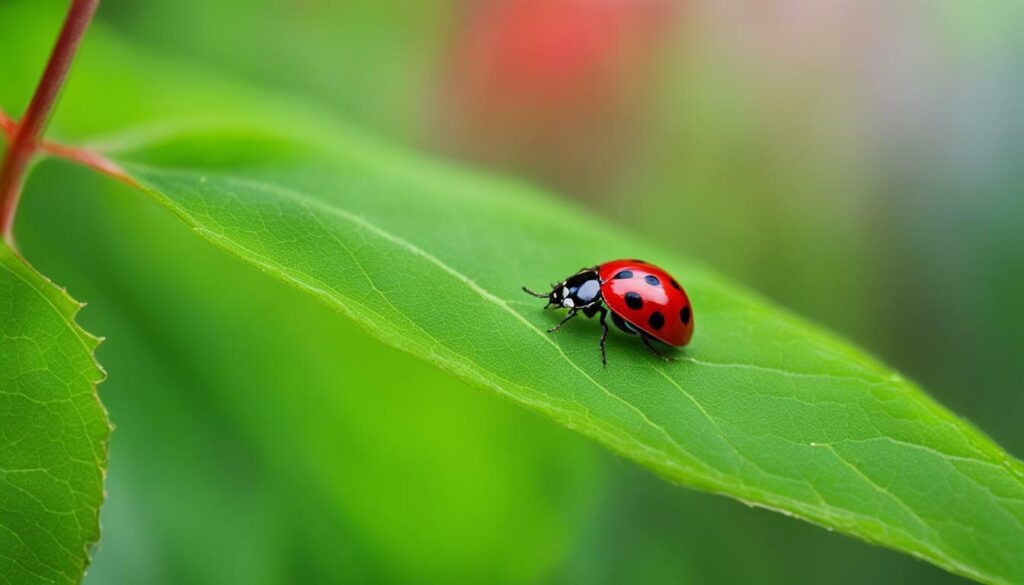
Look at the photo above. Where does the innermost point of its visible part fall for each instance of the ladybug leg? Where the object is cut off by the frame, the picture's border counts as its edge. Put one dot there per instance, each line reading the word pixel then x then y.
pixel 654 350
pixel 604 335
pixel 570 315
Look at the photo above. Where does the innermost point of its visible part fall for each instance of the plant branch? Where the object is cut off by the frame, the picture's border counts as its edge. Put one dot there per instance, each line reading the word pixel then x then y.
pixel 25 136
pixel 82 156
pixel 7 125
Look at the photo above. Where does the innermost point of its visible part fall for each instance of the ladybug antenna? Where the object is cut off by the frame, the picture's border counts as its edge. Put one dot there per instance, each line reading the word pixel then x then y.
pixel 534 293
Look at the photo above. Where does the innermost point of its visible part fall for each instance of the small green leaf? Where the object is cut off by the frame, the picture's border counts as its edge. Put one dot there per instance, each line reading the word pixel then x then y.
pixel 53 431
pixel 761 406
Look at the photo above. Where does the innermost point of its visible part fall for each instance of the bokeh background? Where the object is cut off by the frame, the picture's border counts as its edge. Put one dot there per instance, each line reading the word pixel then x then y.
pixel 857 161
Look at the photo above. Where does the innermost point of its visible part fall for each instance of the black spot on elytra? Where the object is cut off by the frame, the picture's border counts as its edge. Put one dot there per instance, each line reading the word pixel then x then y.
pixel 656 320
pixel 684 315
pixel 623 274
pixel 675 284
pixel 652 280
pixel 633 300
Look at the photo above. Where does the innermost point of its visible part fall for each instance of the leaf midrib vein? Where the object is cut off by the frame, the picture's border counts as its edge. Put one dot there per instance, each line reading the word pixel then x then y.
pixel 306 200
pixel 626 442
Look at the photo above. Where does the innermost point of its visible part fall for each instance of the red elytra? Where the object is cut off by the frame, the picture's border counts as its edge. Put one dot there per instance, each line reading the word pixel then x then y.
pixel 663 310
pixel 643 300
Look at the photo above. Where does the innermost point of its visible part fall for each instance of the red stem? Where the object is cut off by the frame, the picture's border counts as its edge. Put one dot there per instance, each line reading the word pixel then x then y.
pixel 26 135
pixel 7 125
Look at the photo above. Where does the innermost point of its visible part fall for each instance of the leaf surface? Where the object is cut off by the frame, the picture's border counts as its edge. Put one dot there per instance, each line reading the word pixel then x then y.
pixel 761 406
pixel 53 431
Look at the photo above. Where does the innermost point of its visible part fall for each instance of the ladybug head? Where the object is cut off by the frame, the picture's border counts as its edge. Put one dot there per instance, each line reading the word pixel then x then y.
pixel 579 290
pixel 558 296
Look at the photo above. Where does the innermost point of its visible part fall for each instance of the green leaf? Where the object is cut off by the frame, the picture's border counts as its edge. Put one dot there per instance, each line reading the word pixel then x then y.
pixel 53 431
pixel 761 406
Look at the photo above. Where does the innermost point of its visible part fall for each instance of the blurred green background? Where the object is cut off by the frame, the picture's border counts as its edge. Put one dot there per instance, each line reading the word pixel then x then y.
pixel 855 161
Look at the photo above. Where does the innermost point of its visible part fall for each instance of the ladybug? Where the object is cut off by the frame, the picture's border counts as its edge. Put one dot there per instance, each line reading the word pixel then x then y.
pixel 643 300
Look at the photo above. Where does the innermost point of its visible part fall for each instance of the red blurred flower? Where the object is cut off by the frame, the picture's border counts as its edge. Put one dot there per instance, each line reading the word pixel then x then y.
pixel 551 87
